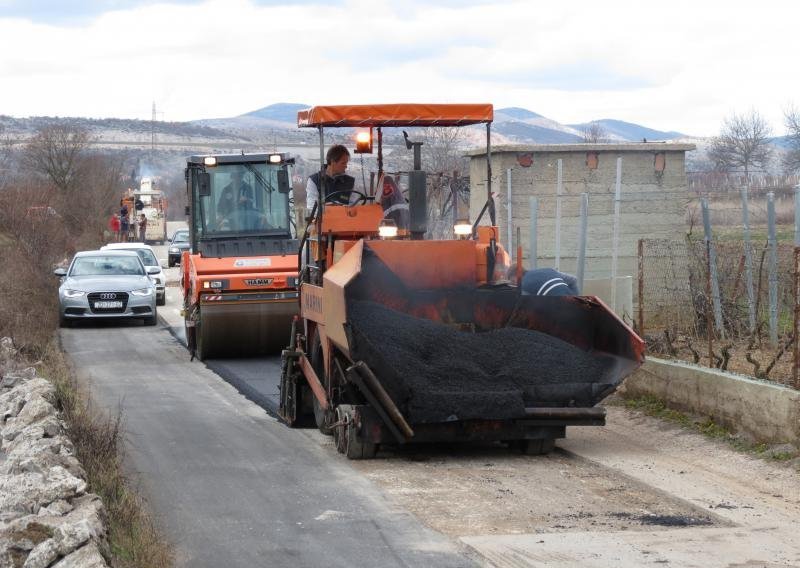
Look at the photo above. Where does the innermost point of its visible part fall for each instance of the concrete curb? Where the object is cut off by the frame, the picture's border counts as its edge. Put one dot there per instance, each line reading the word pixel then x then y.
pixel 763 411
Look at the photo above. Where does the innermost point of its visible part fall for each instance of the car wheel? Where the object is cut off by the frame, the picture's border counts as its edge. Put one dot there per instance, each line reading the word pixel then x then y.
pixel 170 263
pixel 161 300
pixel 152 320
pixel 64 322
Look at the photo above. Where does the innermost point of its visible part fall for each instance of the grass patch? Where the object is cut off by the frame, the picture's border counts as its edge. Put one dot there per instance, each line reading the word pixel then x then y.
pixel 655 407
pixel 133 538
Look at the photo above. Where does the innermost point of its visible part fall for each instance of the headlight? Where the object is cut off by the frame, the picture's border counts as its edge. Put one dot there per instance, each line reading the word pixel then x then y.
pixel 142 292
pixel 174 249
pixel 74 293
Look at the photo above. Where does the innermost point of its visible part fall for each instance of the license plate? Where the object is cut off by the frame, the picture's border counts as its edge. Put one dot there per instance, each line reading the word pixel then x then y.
pixel 107 305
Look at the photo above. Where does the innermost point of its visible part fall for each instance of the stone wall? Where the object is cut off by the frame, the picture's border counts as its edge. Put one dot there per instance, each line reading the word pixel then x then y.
pixel 47 518
pixel 653 202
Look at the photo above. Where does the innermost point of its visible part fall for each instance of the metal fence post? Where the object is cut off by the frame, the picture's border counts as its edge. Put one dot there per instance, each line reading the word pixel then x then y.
pixel 797 215
pixel 748 260
pixel 796 327
pixel 558 218
pixel 709 327
pixel 509 216
pixel 615 236
pixel 534 253
pixel 712 265
pixel 640 254
pixel 773 270
pixel 582 240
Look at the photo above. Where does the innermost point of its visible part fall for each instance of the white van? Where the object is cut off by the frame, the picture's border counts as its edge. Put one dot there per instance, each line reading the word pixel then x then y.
pixel 149 259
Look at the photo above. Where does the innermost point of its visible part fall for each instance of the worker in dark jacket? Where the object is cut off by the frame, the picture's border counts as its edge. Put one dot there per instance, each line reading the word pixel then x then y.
pixel 549 282
pixel 336 180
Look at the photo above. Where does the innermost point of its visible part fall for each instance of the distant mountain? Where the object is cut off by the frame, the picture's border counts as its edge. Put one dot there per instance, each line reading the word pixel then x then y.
pixel 277 123
pixel 517 113
pixel 280 112
pixel 627 131
pixel 511 124
pixel 784 142
pixel 527 133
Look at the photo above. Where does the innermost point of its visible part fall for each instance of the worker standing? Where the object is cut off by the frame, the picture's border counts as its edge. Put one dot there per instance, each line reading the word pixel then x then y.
pixel 336 161
pixel 113 226
pixel 124 224
pixel 142 227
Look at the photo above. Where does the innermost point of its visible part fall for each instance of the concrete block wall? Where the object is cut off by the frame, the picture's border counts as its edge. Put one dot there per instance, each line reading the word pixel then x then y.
pixel 763 411
pixel 653 203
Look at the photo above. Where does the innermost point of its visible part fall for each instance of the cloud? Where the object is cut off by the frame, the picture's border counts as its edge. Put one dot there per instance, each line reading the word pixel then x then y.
pixel 679 67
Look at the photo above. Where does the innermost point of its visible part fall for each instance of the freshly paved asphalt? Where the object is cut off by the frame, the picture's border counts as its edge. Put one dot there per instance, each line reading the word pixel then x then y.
pixel 230 485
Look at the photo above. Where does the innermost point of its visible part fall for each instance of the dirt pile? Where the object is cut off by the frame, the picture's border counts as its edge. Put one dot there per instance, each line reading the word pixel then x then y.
pixel 436 373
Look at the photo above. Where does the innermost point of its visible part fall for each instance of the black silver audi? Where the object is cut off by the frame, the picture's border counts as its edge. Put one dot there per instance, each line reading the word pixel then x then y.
pixel 102 284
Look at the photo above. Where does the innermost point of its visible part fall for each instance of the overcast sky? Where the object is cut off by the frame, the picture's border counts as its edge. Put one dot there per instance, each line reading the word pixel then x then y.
pixel 679 65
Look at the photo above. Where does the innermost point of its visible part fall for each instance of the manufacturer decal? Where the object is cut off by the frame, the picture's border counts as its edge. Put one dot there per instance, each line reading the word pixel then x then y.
pixel 252 262
pixel 258 281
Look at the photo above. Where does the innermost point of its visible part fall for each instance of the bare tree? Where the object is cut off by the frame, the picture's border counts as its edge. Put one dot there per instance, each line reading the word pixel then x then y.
pixel 743 142
pixel 791 118
pixel 56 152
pixel 594 133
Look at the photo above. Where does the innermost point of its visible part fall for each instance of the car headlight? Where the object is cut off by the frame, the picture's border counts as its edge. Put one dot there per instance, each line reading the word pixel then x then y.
pixel 174 249
pixel 74 293
pixel 142 292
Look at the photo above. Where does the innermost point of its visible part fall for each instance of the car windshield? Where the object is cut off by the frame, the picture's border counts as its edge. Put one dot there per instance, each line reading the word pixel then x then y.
pixel 147 256
pixel 106 266
pixel 181 237
pixel 244 199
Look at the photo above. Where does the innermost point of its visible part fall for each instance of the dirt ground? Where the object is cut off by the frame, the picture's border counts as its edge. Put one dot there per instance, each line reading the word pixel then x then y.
pixel 490 490
pixel 638 491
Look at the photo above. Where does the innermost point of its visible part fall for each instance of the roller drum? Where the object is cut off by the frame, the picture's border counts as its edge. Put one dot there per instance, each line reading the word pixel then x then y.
pixel 244 329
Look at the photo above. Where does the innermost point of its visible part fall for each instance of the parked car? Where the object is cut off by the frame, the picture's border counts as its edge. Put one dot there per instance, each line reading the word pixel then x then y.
pixel 149 260
pixel 179 243
pixel 103 284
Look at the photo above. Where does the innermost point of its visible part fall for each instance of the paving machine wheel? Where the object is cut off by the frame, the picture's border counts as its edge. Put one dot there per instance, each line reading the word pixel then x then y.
pixel 346 436
pixel 322 418
pixel 340 428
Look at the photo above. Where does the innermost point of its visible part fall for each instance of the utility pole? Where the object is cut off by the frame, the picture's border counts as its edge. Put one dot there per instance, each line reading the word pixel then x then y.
pixel 153 131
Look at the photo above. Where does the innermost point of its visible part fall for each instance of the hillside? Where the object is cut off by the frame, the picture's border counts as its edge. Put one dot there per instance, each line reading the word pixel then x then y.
pixel 277 123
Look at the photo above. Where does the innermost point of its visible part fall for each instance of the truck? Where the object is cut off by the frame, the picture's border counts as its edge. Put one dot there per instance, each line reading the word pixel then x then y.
pixel 154 208
pixel 402 339
pixel 239 276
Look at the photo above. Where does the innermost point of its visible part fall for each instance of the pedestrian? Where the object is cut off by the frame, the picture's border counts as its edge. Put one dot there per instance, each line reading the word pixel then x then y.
pixel 113 226
pixel 142 227
pixel 124 224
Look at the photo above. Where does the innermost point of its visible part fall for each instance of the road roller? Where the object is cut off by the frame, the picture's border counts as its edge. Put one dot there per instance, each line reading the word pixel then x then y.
pixel 240 276
pixel 402 339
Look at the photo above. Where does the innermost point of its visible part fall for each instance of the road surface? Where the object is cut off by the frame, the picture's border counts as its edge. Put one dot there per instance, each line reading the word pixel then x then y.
pixel 232 486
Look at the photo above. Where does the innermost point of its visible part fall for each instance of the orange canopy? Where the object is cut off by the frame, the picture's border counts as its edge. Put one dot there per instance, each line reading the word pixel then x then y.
pixel 396 115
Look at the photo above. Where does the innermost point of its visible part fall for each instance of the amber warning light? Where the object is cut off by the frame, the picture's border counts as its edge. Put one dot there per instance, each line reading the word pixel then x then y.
pixel 364 142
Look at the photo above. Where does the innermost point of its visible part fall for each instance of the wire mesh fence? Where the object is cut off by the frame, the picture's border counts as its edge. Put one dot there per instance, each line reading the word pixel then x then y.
pixel 708 303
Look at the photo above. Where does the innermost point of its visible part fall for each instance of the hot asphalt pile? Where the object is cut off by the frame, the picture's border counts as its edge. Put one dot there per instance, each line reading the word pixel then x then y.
pixel 435 372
